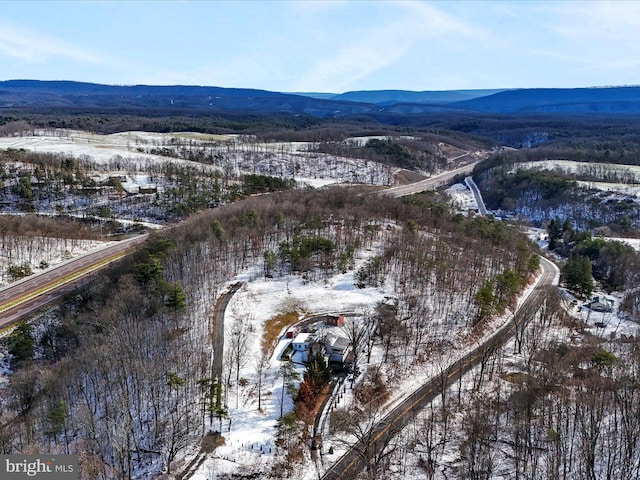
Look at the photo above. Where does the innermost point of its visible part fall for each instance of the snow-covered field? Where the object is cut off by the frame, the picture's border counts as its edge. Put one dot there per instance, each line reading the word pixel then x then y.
pixel 623 188
pixel 630 174
pixel 99 148
pixel 582 167
pixel 240 153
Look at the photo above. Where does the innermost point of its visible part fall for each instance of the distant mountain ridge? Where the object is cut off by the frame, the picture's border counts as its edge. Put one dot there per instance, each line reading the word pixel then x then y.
pixel 376 103
pixel 36 93
pixel 68 87
pixel 550 100
pixel 390 97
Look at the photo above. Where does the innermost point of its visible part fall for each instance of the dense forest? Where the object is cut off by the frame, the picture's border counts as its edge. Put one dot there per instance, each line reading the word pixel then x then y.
pixel 564 131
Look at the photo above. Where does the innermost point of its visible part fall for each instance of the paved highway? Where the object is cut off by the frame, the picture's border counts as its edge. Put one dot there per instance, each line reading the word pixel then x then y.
pixel 430 183
pixel 482 209
pixel 34 292
pixel 351 462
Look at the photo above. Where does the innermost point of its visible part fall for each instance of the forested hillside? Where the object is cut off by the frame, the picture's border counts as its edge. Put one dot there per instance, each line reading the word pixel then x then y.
pixel 589 193
pixel 117 374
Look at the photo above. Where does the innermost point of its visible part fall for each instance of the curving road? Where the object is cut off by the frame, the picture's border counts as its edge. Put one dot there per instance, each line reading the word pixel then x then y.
pixel 430 183
pixel 352 462
pixel 32 293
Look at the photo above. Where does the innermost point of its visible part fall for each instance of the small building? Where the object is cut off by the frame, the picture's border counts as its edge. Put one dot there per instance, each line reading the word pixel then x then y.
pixel 601 304
pixel 334 320
pixel 292 332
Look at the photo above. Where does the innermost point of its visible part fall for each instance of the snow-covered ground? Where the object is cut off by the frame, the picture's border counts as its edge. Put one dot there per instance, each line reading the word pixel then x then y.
pixel 608 326
pixel 99 148
pixel 249 436
pixel 462 197
pixel 241 153
pixel 249 443
pixel 583 167
pixel 621 188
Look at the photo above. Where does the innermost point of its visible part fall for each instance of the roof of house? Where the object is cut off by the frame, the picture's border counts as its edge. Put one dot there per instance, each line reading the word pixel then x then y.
pixel 336 342
pixel 304 338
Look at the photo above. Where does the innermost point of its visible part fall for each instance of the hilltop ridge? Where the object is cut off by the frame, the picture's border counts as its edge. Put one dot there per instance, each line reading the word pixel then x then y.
pixel 203 99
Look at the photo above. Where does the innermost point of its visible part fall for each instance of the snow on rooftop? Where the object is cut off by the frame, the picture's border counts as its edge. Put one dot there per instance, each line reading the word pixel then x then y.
pixel 303 337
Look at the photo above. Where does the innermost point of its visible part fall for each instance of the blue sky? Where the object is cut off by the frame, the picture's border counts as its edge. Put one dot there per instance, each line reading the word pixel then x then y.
pixel 324 46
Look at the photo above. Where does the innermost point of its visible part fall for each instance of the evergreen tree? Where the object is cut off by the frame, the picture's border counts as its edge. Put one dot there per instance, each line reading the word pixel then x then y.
pixel 571 271
pixel 577 274
pixel 485 300
pixel 21 341
pixel 507 286
pixel 318 374
pixel 555 233
pixel 56 418
pixel 176 298
pixel 218 231
pixel 586 276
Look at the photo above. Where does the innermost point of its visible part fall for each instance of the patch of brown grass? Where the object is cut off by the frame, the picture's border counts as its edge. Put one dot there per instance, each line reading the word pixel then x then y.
pixel 274 326
pixel 211 441
pixel 515 377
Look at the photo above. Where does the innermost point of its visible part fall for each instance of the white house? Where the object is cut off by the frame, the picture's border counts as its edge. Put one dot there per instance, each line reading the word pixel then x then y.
pixel 302 346
pixel 337 348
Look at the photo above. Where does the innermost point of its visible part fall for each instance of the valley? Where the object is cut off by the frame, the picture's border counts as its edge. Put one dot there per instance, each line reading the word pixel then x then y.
pixel 376 225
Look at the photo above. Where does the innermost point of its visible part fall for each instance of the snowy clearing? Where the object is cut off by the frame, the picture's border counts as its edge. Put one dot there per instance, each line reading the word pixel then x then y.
pixel 462 197
pixel 242 154
pixel 581 167
pixel 249 443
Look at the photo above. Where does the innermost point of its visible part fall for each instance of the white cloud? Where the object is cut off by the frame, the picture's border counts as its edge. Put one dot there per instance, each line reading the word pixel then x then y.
pixel 30 46
pixel 354 61
pixel 314 7
pixel 594 41
pixel 331 45
pixel 604 20
pixel 369 49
